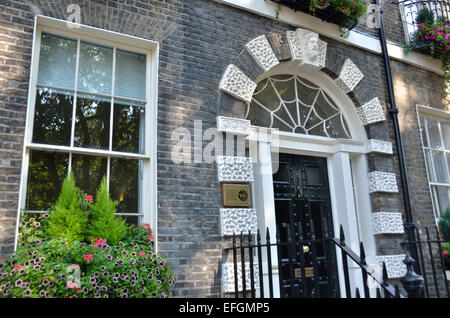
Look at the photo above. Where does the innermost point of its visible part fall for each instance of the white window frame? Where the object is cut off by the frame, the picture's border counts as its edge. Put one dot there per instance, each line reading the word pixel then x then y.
pixel 148 173
pixel 439 115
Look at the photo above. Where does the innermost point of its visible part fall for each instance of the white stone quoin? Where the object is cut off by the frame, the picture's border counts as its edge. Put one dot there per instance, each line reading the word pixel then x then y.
pixel 371 112
pixel 260 49
pixel 382 182
pixel 379 146
pixel 387 223
pixel 228 276
pixel 234 169
pixel 237 220
pixel 237 84
pixel 349 76
pixel 394 264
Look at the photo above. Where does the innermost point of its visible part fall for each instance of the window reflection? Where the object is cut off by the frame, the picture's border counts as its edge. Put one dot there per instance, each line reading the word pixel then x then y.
pixel 124 184
pixel 88 172
pixel 95 71
pixel 46 173
pixel 92 122
pixel 128 127
pixel 52 117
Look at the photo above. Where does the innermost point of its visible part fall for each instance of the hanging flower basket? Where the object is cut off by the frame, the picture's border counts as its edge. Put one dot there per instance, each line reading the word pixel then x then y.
pixel 344 13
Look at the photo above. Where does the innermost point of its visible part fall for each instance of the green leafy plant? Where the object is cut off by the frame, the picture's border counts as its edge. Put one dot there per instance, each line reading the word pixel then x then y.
pixel 434 36
pixel 104 223
pixel 50 268
pixel 444 225
pixel 68 219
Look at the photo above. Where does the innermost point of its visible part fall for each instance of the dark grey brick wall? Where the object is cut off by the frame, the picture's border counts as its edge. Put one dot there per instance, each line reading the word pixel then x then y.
pixel 199 38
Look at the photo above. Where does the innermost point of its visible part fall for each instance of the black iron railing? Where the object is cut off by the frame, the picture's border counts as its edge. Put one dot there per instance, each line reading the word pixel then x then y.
pixel 416 12
pixel 431 262
pixel 253 259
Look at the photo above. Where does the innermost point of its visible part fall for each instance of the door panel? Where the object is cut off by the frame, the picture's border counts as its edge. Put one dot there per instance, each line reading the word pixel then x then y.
pixel 303 211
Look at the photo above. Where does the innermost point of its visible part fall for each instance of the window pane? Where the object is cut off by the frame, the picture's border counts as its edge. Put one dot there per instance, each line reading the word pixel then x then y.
pixel 433 133
pixel 443 198
pixel 52 117
pixel 92 122
pixel 445 129
pixel 95 70
pixel 130 75
pixel 57 61
pixel 46 173
pixel 131 220
pixel 124 184
pixel 424 131
pixel 429 160
pixel 88 172
pixel 440 166
pixel 128 127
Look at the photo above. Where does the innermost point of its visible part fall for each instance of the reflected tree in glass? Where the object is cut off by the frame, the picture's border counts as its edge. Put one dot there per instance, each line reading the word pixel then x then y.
pixel 52 117
pixel 124 184
pixel 88 172
pixel 92 122
pixel 46 173
pixel 128 127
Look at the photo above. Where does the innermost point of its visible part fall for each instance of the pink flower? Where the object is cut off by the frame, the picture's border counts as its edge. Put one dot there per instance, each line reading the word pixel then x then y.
pixel 37 224
pixel 87 257
pixel 146 225
pixel 71 285
pixel 447 48
pixel 89 198
pixel 446 252
pixel 141 253
pixel 17 266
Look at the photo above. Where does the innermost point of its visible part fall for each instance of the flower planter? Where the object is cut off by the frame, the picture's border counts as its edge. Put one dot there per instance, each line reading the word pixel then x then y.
pixel 327 15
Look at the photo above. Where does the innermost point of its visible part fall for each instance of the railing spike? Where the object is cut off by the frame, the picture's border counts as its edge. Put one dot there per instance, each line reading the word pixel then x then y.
pixel 385 275
pixel 267 235
pixel 378 292
pixel 341 235
pixel 397 291
pixel 362 253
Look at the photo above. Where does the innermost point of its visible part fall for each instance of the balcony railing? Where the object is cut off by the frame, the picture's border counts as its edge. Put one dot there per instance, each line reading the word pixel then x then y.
pixel 416 12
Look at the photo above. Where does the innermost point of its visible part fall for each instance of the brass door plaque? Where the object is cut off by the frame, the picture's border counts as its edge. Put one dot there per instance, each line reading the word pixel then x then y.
pixel 309 272
pixel 236 194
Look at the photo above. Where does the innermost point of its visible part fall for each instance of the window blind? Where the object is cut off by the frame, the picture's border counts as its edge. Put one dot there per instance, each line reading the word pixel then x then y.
pixel 57 61
pixel 130 75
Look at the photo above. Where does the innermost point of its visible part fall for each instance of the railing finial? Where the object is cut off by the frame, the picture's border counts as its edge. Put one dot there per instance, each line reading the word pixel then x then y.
pixel 411 282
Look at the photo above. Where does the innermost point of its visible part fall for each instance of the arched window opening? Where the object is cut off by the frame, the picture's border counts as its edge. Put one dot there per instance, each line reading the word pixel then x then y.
pixel 294 104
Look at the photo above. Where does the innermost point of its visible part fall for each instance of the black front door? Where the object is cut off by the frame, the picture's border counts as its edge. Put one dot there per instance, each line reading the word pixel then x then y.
pixel 307 259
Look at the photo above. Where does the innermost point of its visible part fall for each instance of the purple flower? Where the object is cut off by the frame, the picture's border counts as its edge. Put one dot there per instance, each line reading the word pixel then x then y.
pixel 104 288
pixel 27 292
pixel 115 280
pixel 37 267
pixel 96 274
pixel 92 280
pixel 42 293
pixel 46 216
pixel 124 252
pixel 45 282
pixel 150 277
pixel 18 282
pixel 105 274
pixel 162 263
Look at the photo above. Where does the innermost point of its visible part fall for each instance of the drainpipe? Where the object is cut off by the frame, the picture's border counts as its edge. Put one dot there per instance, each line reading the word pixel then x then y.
pixel 393 112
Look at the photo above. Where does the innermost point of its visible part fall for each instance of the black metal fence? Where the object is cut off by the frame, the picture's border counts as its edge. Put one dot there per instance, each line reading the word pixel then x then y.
pixel 431 264
pixel 253 280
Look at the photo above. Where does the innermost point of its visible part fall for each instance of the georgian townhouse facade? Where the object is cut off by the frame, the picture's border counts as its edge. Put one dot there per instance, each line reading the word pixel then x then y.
pixel 176 102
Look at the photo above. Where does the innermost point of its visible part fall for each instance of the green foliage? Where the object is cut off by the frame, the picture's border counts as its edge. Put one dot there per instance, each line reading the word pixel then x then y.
pixel 68 220
pixel 444 225
pixel 424 16
pixel 104 223
pixel 59 268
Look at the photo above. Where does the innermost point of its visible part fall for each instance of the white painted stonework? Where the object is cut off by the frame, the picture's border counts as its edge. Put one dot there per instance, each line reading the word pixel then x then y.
pixel 394 264
pixel 382 182
pixel 228 277
pixel 371 112
pixel 349 76
pixel 234 169
pixel 307 47
pixel 387 223
pixel 237 220
pixel 260 49
pixel 237 84
pixel 379 146
pixel 234 125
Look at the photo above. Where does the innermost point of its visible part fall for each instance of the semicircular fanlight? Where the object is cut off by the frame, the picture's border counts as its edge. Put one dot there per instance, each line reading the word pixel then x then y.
pixel 291 103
